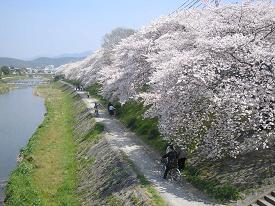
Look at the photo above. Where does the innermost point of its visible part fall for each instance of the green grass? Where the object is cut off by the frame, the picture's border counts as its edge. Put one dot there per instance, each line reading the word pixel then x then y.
pixel 8 78
pixel 94 133
pixel 47 174
pixel 131 114
pixel 222 192
pixel 114 201
pixel 4 88
pixel 94 90
pixel 73 82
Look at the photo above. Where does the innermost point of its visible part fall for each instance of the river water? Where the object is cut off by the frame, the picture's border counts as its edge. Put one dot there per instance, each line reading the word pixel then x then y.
pixel 20 114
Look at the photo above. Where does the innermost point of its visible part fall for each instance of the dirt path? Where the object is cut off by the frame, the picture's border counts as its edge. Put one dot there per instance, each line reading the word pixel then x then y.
pixel 147 161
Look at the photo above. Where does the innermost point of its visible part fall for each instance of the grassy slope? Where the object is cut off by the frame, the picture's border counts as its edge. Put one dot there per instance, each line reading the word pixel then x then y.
pixel 92 138
pixel 47 174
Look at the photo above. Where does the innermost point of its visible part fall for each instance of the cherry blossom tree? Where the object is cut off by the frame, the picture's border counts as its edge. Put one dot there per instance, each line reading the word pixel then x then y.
pixel 215 87
pixel 87 69
pixel 207 75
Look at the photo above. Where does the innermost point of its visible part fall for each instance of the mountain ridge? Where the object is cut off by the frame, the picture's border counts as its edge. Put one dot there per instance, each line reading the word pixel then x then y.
pixel 38 62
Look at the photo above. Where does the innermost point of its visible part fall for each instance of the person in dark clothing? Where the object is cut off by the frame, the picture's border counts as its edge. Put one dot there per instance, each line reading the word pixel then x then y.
pixel 96 109
pixel 109 104
pixel 169 148
pixel 77 87
pixel 172 162
pixel 182 158
pixel 112 110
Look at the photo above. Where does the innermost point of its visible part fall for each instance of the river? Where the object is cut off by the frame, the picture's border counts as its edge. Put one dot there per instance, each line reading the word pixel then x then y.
pixel 20 114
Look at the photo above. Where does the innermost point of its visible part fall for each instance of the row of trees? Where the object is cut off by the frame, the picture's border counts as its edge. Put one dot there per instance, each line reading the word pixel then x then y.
pixel 4 70
pixel 208 76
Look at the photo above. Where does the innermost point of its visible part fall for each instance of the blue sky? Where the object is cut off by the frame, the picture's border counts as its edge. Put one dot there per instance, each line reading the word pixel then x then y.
pixel 31 28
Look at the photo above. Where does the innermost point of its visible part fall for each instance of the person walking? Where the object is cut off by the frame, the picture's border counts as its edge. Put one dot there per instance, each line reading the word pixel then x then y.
pixel 172 161
pixel 112 110
pixel 169 148
pixel 96 107
pixel 109 104
pixel 182 157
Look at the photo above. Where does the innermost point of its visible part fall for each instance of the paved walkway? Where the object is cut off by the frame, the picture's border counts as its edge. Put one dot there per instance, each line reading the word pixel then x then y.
pixel 146 160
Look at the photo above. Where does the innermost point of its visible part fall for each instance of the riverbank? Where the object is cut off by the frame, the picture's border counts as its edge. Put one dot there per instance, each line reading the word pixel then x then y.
pixel 47 173
pixel 4 87
pixel 20 114
pixel 68 161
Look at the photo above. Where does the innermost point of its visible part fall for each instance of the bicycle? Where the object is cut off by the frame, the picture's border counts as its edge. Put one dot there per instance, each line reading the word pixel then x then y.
pixel 96 112
pixel 174 174
pixel 96 107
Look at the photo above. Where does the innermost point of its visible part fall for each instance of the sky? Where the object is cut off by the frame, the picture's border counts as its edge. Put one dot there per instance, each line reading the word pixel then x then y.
pixel 33 28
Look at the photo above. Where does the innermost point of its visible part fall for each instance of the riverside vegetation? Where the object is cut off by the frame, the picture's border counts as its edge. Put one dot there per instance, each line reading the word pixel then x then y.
pixel 47 171
pixel 68 162
pixel 4 88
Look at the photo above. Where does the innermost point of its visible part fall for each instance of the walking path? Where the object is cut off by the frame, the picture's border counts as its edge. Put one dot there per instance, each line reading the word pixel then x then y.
pixel 146 160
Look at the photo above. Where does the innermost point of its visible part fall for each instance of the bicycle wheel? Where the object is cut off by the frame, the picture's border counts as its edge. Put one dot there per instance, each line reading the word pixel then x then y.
pixel 176 175
pixel 96 113
pixel 162 170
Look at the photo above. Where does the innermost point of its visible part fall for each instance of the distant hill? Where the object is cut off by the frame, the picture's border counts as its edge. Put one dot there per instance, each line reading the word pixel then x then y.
pixel 39 62
pixel 44 61
pixel 81 54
